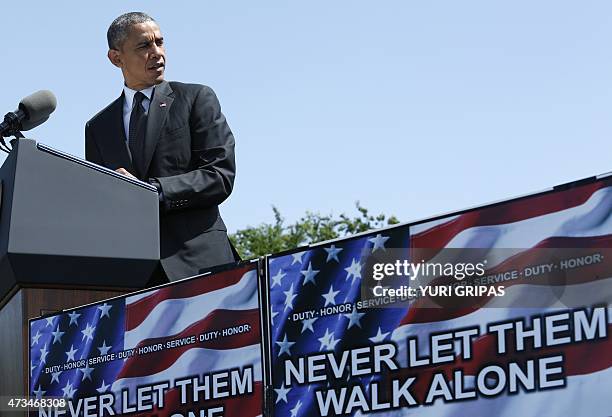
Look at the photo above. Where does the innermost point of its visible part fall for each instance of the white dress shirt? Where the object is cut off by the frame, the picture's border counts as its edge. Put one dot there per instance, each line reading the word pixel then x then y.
pixel 128 103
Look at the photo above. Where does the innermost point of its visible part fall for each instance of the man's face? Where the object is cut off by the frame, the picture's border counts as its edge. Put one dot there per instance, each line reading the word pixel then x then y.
pixel 142 57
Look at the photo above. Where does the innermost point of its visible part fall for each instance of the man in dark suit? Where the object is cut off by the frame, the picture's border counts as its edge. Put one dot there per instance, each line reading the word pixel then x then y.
pixel 174 136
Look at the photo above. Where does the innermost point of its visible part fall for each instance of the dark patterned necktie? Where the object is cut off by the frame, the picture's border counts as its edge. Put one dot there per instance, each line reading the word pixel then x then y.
pixel 137 134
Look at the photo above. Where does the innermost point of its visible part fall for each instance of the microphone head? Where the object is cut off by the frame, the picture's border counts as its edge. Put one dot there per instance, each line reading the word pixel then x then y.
pixel 37 108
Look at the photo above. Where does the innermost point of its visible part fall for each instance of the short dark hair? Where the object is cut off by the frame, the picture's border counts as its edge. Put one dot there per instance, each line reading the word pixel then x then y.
pixel 118 30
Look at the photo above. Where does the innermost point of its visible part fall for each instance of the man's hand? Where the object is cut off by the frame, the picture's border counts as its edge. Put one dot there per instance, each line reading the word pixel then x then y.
pixel 125 172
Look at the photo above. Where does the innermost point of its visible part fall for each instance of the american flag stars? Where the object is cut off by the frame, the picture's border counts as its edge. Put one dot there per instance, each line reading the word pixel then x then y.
pixel 74 316
pixel 296 409
pixel 281 393
pixel 330 296
pixel 311 285
pixel 68 390
pixel 378 241
pixel 289 297
pixel 308 323
pixel 309 274
pixel 39 392
pixel 276 279
pixel 328 341
pixel 285 346
pixel 104 349
pixel 88 332
pixel 57 335
pixel 353 272
pixel 86 372
pixel 379 337
pixel 55 376
pixel 104 310
pixel 273 314
pixel 297 257
pixel 58 342
pixel 354 318
pixel 36 338
pixel 332 253
pixel 103 388
pixel 70 354
pixel 43 354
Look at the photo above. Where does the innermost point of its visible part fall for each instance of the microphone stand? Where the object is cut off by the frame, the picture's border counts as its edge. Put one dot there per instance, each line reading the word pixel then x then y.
pixel 3 146
pixel 12 119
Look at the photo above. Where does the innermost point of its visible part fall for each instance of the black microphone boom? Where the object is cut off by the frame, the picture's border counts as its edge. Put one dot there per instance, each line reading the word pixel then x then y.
pixel 33 110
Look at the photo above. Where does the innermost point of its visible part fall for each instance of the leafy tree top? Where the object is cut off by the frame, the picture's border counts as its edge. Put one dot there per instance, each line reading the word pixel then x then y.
pixel 268 238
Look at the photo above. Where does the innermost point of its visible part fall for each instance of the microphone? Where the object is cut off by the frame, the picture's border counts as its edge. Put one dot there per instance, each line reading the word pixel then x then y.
pixel 33 110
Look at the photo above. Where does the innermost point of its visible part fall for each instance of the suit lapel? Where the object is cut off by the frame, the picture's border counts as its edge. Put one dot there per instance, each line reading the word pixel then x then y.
pixel 158 113
pixel 116 142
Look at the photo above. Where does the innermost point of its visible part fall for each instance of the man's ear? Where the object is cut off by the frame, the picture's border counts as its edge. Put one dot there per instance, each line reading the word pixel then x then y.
pixel 114 56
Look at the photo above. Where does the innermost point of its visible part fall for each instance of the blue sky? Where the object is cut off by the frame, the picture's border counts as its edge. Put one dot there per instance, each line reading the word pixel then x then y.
pixel 412 108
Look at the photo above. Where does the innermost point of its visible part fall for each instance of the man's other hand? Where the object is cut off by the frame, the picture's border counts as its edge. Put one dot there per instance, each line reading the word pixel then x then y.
pixel 125 172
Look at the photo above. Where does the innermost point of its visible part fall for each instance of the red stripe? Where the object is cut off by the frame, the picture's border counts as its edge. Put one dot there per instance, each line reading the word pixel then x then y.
pixel 138 311
pixel 432 309
pixel 580 358
pixel 513 211
pixel 250 405
pixel 154 362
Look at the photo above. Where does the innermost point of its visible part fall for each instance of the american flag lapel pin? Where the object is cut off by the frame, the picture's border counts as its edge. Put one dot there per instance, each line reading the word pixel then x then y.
pixel 162 104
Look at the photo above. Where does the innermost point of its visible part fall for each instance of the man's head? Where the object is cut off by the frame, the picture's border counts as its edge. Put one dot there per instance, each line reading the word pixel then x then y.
pixel 136 45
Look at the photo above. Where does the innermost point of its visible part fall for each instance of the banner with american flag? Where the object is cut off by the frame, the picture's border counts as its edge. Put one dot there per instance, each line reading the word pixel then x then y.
pixel 535 342
pixel 193 346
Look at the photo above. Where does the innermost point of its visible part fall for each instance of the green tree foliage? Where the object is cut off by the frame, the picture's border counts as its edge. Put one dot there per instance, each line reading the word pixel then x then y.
pixel 275 237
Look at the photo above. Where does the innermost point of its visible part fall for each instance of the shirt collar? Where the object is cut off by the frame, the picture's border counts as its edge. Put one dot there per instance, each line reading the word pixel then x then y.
pixel 129 94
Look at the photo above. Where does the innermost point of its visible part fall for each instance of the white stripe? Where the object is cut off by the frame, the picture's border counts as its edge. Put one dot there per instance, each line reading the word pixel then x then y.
pixel 197 361
pixel 170 317
pixel 420 228
pixel 583 396
pixel 133 298
pixel 529 294
pixel 593 218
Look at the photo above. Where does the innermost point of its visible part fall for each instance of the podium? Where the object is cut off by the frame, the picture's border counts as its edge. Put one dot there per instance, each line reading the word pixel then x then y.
pixel 71 233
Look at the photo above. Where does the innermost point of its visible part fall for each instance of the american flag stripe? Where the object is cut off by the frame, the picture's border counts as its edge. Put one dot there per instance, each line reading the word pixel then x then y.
pixel 480 318
pixel 140 306
pixel 525 291
pixel 193 307
pixel 528 257
pixel 579 359
pixel 247 406
pixel 437 319
pixel 591 359
pixel 160 360
pixel 542 253
pixel 588 293
pixel 582 396
pixel 523 223
pixel 508 212
pixel 198 361
pixel 190 308
pixel 591 220
pixel 589 223
pixel 171 316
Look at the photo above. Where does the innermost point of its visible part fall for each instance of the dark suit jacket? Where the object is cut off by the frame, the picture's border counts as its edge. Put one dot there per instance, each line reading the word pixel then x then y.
pixel 189 150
